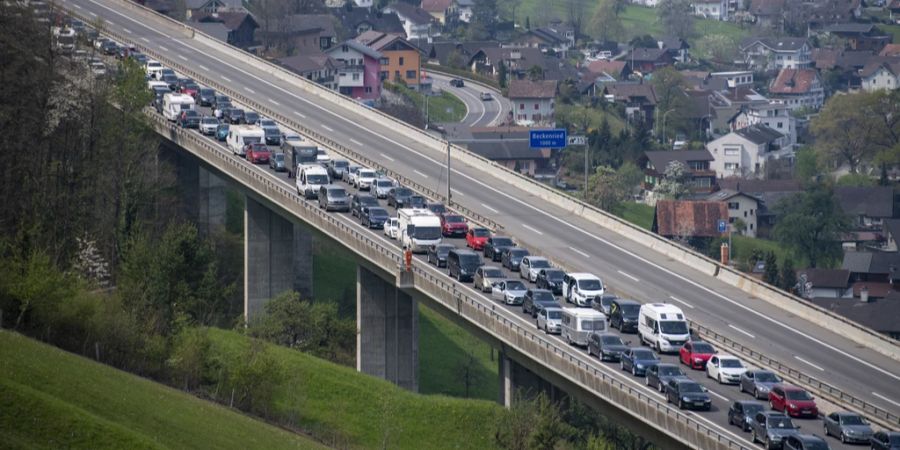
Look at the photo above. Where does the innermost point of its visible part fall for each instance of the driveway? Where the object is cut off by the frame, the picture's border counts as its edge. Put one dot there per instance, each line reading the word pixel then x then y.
pixel 479 113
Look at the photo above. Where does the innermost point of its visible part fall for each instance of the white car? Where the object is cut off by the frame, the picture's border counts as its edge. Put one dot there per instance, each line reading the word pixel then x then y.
pixel 725 369
pixel 208 125
pixel 511 292
pixel 322 157
pixel 392 227
pixel 364 179
pixel 154 68
pixel 383 186
pixel 531 266
pixel 550 320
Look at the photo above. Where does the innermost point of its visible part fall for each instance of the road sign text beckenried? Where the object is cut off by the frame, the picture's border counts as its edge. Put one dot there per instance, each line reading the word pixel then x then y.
pixel 548 138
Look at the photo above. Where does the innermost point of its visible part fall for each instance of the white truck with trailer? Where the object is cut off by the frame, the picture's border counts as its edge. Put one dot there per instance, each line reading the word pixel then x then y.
pixel 419 229
pixel 241 135
pixel 174 104
pixel 579 323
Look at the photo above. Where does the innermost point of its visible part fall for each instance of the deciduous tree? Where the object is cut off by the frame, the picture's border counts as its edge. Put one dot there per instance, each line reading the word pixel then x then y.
pixel 810 224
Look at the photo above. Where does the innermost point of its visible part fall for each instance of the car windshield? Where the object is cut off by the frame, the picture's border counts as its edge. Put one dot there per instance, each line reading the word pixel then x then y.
pixel 367 174
pixel 210 121
pixel 554 314
pixel 590 285
pixel 402 192
pixel 271 131
pixel 643 354
pixel 337 192
pixel 321 152
pixel 767 377
pixel 611 340
pixel 341 163
pixel 797 395
pixel 480 232
pixel 378 212
pixel 780 422
pixel 673 327
pixel 492 273
pixel 384 183
pixel 443 250
pixel 204 92
pixel 815 445
pixel 279 157
pixel 428 233
pixel 702 347
pixel 317 179
pixel 518 253
pixel 515 286
pixel 670 371
pixel 691 387
pixel 469 261
pixel 540 263
pixel 593 325
pixel 852 420
pixel 732 363
pixel 454 219
pixel 542 296
pixel 502 242
pixel 751 409
pixel 555 275
pixel 252 140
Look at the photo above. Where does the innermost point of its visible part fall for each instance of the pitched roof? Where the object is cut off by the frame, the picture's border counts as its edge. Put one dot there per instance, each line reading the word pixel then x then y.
pixel 849 28
pixel 227 4
pixel 436 6
pixel 353 18
pixel 441 51
pixel 364 49
pixel 826 278
pixel 378 40
pixel 547 35
pixel 793 81
pixel 759 134
pixel 305 23
pixel 214 29
pixel 532 89
pixel 308 62
pixel 506 150
pixel 875 201
pixel 672 43
pixel 766 7
pixel 623 91
pixel 613 68
pixel 646 54
pixel 231 20
pixel 879 263
pixel 689 218
pixel 890 50
pixel 661 158
pixel 775 44
pixel 725 194
pixel 759 186
pixel 412 13
pixel 880 314
pixel 889 63
pixel 532 56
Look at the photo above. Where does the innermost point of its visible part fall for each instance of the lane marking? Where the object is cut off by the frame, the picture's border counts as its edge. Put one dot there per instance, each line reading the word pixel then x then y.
pixel 490 209
pixel 328 128
pixel 633 278
pixel 92 13
pixel 226 78
pixel 741 331
pixel 682 302
pixel 163 48
pixel 579 252
pixel 355 141
pixel 807 362
pixel 274 102
pixel 455 192
pixel 76 6
pixel 145 40
pixel 249 90
pixel 299 114
pixel 386 157
pixel 182 57
pixel 646 261
pixel 203 67
pixel 420 173
pixel 532 229
pixel 126 30
pixel 885 399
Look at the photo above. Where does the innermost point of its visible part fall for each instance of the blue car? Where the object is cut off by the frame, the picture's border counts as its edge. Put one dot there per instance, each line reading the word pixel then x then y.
pixel 222 131
pixel 637 360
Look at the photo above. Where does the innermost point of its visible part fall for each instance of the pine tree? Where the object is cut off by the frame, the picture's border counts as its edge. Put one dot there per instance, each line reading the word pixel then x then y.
pixel 788 276
pixel 771 274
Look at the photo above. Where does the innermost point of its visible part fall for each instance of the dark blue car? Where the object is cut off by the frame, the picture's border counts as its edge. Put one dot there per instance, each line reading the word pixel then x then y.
pixel 637 360
pixel 373 217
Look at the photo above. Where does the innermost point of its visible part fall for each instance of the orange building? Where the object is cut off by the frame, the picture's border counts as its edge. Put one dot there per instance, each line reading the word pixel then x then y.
pixel 401 60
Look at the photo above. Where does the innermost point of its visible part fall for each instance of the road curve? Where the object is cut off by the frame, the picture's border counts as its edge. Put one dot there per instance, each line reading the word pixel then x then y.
pixel 480 113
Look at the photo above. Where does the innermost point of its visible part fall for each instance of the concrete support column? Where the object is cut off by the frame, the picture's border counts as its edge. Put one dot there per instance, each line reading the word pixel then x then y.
pixel 211 201
pixel 277 257
pixel 516 379
pixel 387 339
pixel 507 389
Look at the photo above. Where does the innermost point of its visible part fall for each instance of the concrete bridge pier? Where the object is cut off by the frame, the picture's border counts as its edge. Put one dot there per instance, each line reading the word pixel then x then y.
pixel 387 338
pixel 212 202
pixel 277 257
pixel 517 380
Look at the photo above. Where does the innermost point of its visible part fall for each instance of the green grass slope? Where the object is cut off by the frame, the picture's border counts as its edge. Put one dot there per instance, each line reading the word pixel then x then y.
pixel 53 399
pixel 346 409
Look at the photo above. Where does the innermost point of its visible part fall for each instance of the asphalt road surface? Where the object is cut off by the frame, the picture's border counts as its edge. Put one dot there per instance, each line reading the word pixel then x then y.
pixel 480 113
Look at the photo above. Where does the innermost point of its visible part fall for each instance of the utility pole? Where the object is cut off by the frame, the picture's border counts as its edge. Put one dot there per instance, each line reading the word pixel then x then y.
pixel 449 200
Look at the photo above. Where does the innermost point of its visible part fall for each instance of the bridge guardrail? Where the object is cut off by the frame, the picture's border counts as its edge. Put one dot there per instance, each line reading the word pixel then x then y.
pixel 872 412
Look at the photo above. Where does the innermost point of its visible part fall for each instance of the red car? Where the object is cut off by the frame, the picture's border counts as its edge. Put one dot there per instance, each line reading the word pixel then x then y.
pixel 793 401
pixel 453 225
pixel 696 354
pixel 257 153
pixel 476 237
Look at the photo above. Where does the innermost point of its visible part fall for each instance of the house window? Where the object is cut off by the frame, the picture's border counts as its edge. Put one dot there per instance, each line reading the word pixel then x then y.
pixel 731 166
pixel 411 74
pixel 401 60
pixel 751 211
pixel 779 125
pixel 734 205
pixel 345 48
pixel 537 106
pixel 751 226
pixel 396 74
pixel 355 77
pixel 368 89
pixel 745 214
pixel 521 106
pixel 384 61
pixel 732 151
pixel 731 220
pixel 384 75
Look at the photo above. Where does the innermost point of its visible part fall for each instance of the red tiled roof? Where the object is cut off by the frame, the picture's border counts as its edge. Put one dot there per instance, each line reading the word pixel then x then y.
pixel 437 6
pixel 608 67
pixel 793 81
pixel 890 50
pixel 689 218
pixel 532 89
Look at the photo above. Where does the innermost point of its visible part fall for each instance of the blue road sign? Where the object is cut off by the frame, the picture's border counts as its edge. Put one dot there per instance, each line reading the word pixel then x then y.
pixel 723 226
pixel 548 138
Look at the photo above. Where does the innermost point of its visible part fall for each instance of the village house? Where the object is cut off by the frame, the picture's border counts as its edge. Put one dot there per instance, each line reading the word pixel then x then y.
pixel 688 218
pixel 881 72
pixel 545 39
pixel 439 9
pixel 867 206
pixel 639 100
pixel 798 89
pixel 533 102
pixel 316 67
pixel 711 9
pixel 194 8
pixel 356 21
pixel 774 115
pixel 742 209
pixel 763 54
pixel 509 147
pixel 824 283
pixel 360 74
pixel 301 33
pixel 417 23
pixel 236 28
pixel 769 193
pixel 647 60
pixel 400 59
pixel 700 177
pixel 744 152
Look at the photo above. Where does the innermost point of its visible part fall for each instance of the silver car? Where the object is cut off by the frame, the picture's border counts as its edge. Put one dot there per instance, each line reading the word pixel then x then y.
pixel 758 383
pixel 550 320
pixel 383 186
pixel 849 427
pixel 208 125
pixel 486 276
pixel 531 266
pixel 509 291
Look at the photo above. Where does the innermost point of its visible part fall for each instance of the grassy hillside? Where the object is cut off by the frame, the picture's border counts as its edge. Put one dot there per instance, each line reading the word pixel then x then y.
pixel 346 409
pixel 53 399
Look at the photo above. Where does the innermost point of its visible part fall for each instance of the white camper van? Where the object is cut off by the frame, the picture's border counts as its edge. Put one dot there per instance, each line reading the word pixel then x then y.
pixel 241 135
pixel 663 326
pixel 419 228
pixel 310 177
pixel 578 324
pixel 174 104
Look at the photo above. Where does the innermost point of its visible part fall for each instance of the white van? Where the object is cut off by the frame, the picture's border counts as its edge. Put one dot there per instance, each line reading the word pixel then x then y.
pixel 582 288
pixel 311 177
pixel 578 324
pixel 242 135
pixel 663 327
pixel 174 104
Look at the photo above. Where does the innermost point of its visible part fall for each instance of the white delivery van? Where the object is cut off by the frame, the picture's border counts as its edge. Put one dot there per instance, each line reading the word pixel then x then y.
pixel 578 324
pixel 174 104
pixel 241 135
pixel 582 288
pixel 663 327
pixel 419 228
pixel 311 177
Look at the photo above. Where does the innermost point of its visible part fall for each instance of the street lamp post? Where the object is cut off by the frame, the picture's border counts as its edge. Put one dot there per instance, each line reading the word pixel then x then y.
pixel 665 115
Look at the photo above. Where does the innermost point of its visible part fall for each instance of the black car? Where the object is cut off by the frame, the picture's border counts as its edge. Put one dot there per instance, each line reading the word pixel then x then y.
pixel 374 217
pixel 234 115
pixel 551 279
pixel 804 442
pixel 637 359
pixel 206 96
pixel 742 412
pixel 109 48
pixel 771 428
pixel 436 207
pixel 170 79
pixel 437 254
pixel 336 168
pixel 495 245
pixel 512 257
pixel 608 347
pixel 273 135
pixel 220 99
pixel 251 117
pixel 623 314
pixel 603 303
pixel 416 201
pixel 659 375
pixel 535 299
pixel 457 82
pixel 361 201
pixel 399 197
pixel 886 440
pixel 687 393
pixel 189 119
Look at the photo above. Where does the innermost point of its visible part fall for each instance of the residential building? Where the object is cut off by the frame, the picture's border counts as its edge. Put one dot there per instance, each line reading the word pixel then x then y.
pixel 235 28
pixel 798 89
pixel 533 102
pixel 464 9
pixel 400 61
pixel 417 23
pixel 711 9
pixel 762 54
pixel 881 72
pixel 356 21
pixel 867 206
pixel 544 39
pixel 769 193
pixel 300 33
pixel 317 67
pixel 744 152
pixel 872 274
pixel 614 70
pixel 858 36
pixel 688 218
pixel 360 74
pixel 768 13
pixel 194 8
pixel 509 146
pixel 453 53
pixel 679 48
pixel 879 314
pixel 647 60
pixel 439 9
pixel 639 99
pixel 518 61
pixel 701 178
pixel 742 208
pixel 890 50
pixel 824 283
pixel 774 115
